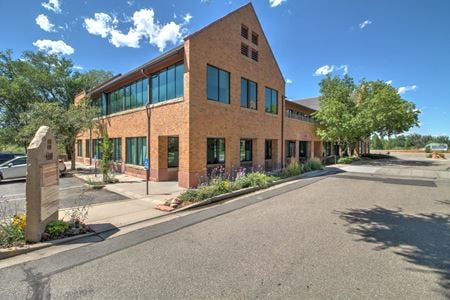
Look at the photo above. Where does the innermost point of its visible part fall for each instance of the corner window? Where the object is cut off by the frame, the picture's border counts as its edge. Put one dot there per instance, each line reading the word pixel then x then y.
pixel 215 151
pixel 268 150
pixel 218 85
pixel 246 150
pixel 271 101
pixel 172 152
pixel 168 83
pixel 249 94
pixel 136 150
pixel 79 148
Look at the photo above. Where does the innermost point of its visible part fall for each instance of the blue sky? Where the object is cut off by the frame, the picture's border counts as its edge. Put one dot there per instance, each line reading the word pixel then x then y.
pixel 406 42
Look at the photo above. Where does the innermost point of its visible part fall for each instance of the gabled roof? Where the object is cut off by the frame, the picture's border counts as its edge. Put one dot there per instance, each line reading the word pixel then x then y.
pixel 311 103
pixel 249 4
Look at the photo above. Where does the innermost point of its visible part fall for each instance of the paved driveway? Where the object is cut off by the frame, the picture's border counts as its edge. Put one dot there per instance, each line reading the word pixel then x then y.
pixel 347 236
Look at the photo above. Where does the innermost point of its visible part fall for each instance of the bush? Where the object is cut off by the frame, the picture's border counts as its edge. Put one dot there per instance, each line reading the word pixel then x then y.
pixel 312 165
pixel 57 228
pixel 11 235
pixel 348 159
pixel 375 156
pixel 188 196
pixel 293 169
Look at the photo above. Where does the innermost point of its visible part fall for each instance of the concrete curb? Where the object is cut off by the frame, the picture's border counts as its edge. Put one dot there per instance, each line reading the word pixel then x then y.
pixel 11 252
pixel 249 190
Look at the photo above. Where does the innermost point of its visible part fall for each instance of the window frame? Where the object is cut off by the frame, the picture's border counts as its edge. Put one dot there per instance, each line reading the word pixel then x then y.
pixel 217 154
pixel 176 152
pixel 178 89
pixel 248 149
pixel 219 72
pixel 132 145
pixel 268 155
pixel 248 93
pixel 268 89
pixel 79 148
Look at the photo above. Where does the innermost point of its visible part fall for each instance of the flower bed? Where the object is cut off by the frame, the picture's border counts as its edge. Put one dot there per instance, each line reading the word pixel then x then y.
pixel 219 182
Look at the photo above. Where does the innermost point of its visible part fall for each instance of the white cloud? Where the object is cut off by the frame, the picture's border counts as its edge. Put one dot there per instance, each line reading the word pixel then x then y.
pixel 76 67
pixel 52 5
pixel 324 70
pixel 101 24
pixel 404 89
pixel 288 81
pixel 389 82
pixel 187 17
pixel 130 2
pixel 44 23
pixel 275 3
pixel 205 1
pixel 365 24
pixel 144 27
pixel 54 47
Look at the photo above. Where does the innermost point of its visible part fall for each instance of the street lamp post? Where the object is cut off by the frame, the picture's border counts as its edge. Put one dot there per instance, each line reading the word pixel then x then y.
pixel 147 161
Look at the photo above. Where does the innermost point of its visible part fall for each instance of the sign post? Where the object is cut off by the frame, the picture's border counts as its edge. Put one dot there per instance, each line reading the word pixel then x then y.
pixel 42 187
pixel 147 169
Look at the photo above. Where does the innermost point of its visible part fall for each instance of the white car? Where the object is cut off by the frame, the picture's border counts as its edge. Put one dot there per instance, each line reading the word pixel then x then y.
pixel 17 168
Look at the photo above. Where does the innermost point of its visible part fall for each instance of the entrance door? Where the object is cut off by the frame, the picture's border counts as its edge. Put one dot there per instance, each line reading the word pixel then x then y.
pixel 303 151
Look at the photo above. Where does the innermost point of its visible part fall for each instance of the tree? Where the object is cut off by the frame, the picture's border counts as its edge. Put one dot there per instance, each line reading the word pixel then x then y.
pixel 352 112
pixel 377 143
pixel 66 124
pixel 39 78
pixel 106 150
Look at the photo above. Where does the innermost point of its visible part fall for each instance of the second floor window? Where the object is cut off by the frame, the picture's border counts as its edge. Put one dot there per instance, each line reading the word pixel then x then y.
pixel 271 101
pixel 168 84
pixel 218 84
pixel 249 94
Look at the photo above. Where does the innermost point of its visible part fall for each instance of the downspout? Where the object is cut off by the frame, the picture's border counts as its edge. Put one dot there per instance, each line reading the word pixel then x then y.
pixel 283 98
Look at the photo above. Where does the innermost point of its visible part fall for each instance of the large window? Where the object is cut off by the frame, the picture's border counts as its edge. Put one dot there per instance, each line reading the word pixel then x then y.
pixel 246 150
pixel 216 151
pixel 172 152
pixel 116 149
pixel 290 149
pixel 96 145
pixel 88 148
pixel 271 101
pixel 268 149
pixel 249 94
pixel 79 148
pixel 168 83
pixel 136 150
pixel 218 84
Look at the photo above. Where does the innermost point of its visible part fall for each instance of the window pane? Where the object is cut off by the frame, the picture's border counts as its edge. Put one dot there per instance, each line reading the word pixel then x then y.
pixel 127 97
pixel 163 86
pixel 221 150
pixel 179 84
pixel 155 89
pixel 244 102
pixel 268 99
pixel 274 101
pixel 171 82
pixel 253 94
pixel 172 145
pixel 145 91
pixel 213 83
pixel 139 95
pixel 88 148
pixel 224 87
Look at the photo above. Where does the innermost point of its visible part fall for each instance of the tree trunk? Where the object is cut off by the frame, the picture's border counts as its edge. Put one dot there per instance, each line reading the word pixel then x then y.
pixel 71 155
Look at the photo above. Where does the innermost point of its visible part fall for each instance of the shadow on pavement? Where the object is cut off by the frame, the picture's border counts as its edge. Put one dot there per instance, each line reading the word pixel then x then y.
pixel 423 240
pixel 395 162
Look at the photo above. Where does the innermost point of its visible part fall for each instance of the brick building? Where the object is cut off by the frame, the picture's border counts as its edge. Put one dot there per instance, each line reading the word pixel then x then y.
pixel 217 99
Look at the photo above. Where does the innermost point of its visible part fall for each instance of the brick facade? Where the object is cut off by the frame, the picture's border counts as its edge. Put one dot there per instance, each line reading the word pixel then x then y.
pixel 193 118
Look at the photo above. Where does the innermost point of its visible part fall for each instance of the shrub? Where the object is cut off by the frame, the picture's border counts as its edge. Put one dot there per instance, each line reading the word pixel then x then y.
pixel 376 156
pixel 348 159
pixel 11 235
pixel 293 169
pixel 312 165
pixel 188 196
pixel 57 228
pixel 19 221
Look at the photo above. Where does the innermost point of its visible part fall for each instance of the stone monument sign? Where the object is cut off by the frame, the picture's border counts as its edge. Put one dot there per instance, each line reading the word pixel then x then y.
pixel 42 190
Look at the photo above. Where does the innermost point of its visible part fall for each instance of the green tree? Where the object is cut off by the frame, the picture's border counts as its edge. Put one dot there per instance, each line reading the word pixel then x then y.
pixel 65 123
pixel 106 150
pixel 352 112
pixel 377 143
pixel 33 79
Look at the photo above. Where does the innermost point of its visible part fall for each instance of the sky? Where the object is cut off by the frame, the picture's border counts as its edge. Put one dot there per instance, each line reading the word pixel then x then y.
pixel 403 42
